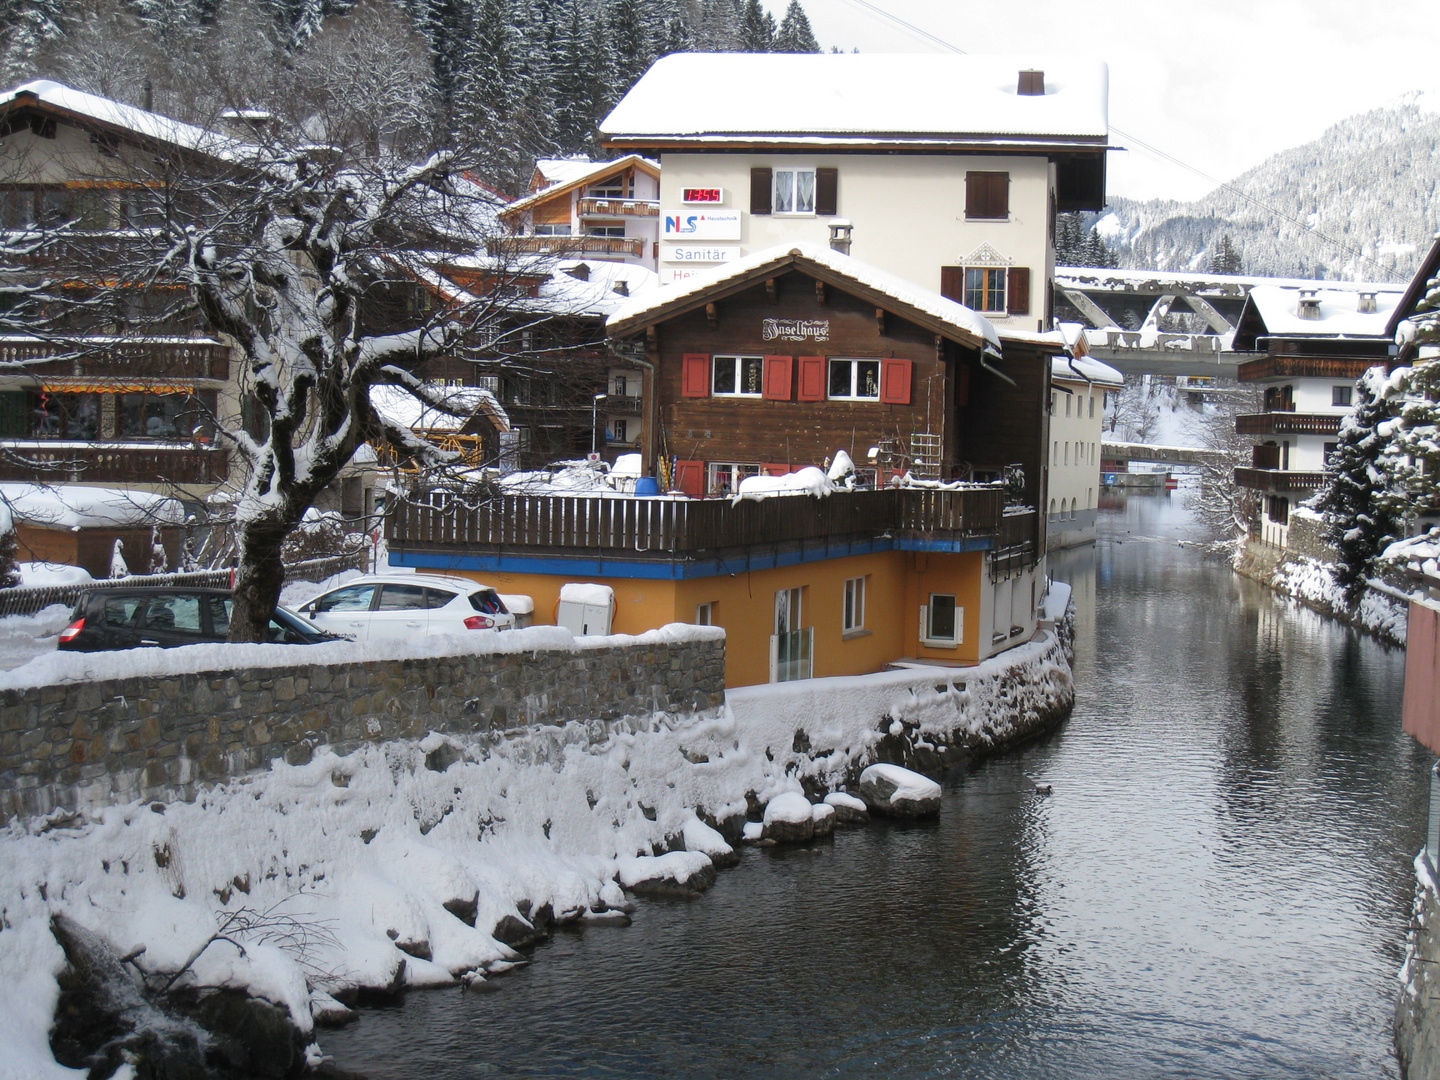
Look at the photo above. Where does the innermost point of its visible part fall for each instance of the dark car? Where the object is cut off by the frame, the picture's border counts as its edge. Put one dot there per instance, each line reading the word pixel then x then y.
pixel 157 616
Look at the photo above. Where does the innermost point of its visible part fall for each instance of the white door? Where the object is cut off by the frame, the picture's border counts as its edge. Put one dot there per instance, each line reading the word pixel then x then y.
pixel 344 611
pixel 401 612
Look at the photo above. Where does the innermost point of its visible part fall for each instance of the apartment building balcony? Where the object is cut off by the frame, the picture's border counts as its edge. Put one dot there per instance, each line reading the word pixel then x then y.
pixel 622 208
pixel 1340 368
pixel 622 406
pixel 1278 481
pixel 117 358
pixel 662 529
pixel 1288 423
pixel 40 461
pixel 563 246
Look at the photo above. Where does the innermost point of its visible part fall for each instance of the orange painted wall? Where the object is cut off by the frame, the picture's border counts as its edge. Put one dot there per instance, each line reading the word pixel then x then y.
pixel 897 583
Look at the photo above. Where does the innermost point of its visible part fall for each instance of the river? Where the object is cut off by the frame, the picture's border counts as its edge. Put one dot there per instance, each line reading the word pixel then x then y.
pixel 1218 886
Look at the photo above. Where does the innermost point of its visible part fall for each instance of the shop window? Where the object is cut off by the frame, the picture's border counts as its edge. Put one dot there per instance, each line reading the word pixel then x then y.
pixel 737 376
pixel 940 621
pixel 854 618
pixel 855 380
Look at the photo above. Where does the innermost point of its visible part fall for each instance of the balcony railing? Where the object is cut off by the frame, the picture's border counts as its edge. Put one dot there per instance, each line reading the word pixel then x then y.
pixel 1285 367
pixel 663 527
pixel 1278 479
pixel 616 405
pixel 124 358
pixel 569 245
pixel 1287 423
pixel 592 207
pixel 97 463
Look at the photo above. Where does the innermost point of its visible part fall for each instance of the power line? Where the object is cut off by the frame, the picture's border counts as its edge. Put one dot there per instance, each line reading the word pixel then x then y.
pixel 1152 150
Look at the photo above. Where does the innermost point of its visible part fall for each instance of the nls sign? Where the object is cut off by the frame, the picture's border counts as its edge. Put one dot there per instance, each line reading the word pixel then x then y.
pixel 700 225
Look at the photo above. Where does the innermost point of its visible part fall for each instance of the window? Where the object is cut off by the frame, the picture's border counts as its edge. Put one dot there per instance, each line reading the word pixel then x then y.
pixel 705 614
pixel 790 645
pixel 402 598
pixel 1279 510
pixel 854 604
pixel 794 191
pixel 1092 406
pixel 351 598
pixel 620 429
pixel 940 621
pixel 1340 395
pixel 987 196
pixel 1067 403
pixel 620 385
pixel 737 376
pixel 723 477
pixel 167 416
pixel 985 290
pixel 612 187
pixel 63 416
pixel 552 230
pixel 606 229
pixel 174 612
pixel 857 380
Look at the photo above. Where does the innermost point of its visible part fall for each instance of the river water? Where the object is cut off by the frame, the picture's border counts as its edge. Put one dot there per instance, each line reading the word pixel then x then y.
pixel 1218 886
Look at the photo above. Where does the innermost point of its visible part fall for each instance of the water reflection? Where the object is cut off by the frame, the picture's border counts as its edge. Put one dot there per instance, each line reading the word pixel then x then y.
pixel 1218 886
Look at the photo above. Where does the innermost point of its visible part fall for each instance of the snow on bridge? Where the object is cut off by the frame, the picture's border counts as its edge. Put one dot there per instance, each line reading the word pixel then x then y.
pixel 1164 455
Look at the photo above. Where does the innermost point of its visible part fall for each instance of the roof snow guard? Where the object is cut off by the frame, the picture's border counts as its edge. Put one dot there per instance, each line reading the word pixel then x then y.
pixel 886 290
pixel 924 101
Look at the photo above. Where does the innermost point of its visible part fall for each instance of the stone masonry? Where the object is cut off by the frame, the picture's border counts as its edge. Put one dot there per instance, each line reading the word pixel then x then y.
pixel 87 744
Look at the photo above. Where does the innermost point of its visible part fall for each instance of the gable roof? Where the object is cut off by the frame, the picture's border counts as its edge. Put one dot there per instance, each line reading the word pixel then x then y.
pixel 90 110
pixel 934 99
pixel 1417 289
pixel 569 179
pixel 920 306
pixel 1273 311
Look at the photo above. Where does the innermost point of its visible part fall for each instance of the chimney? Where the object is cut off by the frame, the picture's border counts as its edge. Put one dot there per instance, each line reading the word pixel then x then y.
pixel 1365 305
pixel 840 230
pixel 1309 304
pixel 580 271
pixel 1032 84
pixel 622 288
pixel 147 95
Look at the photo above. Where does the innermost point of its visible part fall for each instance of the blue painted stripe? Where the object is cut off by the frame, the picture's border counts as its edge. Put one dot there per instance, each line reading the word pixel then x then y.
pixel 675 569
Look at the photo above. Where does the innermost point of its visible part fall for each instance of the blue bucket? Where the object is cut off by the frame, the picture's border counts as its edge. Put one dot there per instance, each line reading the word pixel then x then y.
pixel 647 485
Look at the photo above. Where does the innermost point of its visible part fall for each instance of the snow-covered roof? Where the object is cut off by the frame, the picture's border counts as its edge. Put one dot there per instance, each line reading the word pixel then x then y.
pixel 561 170
pixel 572 174
pixel 846 266
pixel 115 114
pixel 759 96
pixel 79 506
pixel 1091 277
pixel 1338 316
pixel 1084 369
pixel 608 287
pixel 399 406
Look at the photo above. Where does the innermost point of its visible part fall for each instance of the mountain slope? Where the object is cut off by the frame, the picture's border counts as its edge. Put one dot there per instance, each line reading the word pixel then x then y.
pixel 1360 202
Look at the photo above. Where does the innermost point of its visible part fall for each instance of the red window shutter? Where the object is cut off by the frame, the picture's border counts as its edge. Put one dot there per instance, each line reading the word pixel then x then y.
pixel 690 477
pixel 761 180
pixel 952 283
pixel 1017 291
pixel 895 381
pixel 695 376
pixel 827 192
pixel 775 469
pixel 777 377
pixel 812 379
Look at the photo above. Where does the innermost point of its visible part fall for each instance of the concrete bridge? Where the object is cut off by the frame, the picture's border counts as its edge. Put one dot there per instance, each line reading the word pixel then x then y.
pixel 1163 455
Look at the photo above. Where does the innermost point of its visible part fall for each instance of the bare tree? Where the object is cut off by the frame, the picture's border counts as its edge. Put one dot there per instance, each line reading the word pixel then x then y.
pixel 1224 507
pixel 1134 413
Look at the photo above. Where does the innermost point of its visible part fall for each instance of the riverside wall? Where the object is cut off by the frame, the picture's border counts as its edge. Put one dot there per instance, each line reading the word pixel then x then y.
pixel 1417 1013
pixel 88 744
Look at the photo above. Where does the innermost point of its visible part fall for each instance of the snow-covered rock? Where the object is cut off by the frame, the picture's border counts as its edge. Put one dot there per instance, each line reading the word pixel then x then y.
pixel 676 873
pixel 848 809
pixel 698 836
pixel 890 789
pixel 822 817
pixel 789 819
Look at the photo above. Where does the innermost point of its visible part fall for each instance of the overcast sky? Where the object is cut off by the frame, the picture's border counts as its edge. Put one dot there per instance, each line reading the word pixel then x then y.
pixel 1219 84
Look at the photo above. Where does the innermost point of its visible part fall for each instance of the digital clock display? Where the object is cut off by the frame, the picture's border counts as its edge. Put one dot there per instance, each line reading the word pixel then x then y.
pixel 702 194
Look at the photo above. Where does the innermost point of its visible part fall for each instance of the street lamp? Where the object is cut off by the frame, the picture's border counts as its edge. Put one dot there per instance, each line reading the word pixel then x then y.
pixel 595 421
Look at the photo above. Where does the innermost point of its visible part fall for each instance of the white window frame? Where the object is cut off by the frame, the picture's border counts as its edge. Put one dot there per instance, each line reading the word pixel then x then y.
pixel 852 612
pixel 705 614
pixel 790 190
pixel 618 430
pixel 926 637
pixel 740 360
pixel 854 378
pixel 728 472
pixel 554 228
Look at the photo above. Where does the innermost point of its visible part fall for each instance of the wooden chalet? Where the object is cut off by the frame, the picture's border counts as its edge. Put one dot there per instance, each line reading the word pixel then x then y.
pixel 768 365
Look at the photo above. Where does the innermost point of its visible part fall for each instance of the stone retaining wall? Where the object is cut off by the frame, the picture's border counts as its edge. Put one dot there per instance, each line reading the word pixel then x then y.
pixel 88 744
pixel 1417 1012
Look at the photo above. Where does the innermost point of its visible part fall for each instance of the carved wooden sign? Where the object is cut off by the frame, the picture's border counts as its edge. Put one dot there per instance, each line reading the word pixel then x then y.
pixel 795 329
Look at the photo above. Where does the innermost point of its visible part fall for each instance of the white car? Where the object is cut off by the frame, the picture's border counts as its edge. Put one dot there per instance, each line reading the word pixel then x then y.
pixel 380 606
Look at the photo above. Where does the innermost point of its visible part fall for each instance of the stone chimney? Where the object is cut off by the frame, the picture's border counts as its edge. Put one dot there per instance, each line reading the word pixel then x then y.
pixel 622 288
pixel 1365 303
pixel 1032 84
pixel 840 230
pixel 580 271
pixel 1309 304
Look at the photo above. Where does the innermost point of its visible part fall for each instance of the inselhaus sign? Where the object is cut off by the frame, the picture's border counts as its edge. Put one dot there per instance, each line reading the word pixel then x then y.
pixel 795 329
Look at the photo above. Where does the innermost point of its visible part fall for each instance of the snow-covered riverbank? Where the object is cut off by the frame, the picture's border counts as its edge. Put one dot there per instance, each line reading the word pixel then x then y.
pixel 405 864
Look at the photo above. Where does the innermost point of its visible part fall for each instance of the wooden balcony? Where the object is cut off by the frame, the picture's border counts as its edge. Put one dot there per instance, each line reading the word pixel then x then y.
pixel 1278 480
pixel 118 358
pixel 97 463
pixel 1288 423
pixel 662 529
pixel 1342 369
pixel 617 405
pixel 570 246
pixel 624 208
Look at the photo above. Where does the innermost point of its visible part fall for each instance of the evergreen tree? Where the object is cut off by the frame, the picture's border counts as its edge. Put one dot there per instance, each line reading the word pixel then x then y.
pixel 1359 520
pixel 1225 259
pixel 716 26
pixel 1069 239
pixel 9 558
pixel 631 50
pixel 445 25
pixel 1410 459
pixel 757 28
pixel 26 27
pixel 795 35
pixel 579 92
pixel 675 38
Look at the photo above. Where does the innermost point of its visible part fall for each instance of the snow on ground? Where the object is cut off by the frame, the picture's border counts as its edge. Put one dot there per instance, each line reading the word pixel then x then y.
pixel 379 847
pixel 1383 611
